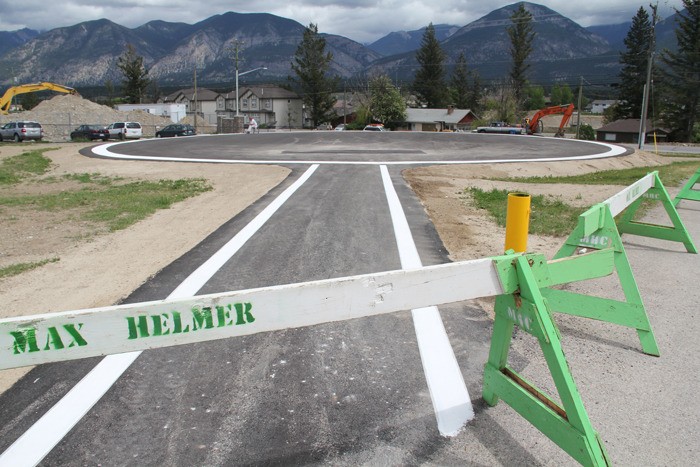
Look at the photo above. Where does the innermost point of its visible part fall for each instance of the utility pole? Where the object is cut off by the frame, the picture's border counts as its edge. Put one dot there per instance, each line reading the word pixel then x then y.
pixel 195 98
pixel 647 86
pixel 578 114
pixel 236 48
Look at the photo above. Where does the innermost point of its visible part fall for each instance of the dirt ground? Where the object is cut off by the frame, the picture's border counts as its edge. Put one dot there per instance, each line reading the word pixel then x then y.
pixel 96 268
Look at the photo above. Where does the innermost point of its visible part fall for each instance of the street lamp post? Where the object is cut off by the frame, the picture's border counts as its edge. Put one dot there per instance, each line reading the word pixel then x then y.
pixel 241 74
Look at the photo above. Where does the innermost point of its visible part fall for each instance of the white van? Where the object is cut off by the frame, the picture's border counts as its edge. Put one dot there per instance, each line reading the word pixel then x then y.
pixel 124 130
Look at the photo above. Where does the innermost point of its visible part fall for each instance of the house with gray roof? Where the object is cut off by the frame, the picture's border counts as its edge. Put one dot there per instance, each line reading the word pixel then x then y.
pixel 269 105
pixel 209 103
pixel 598 106
pixel 627 131
pixel 449 119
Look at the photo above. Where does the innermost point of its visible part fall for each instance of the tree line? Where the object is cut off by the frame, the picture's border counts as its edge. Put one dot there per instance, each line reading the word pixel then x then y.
pixel 675 101
pixel 674 96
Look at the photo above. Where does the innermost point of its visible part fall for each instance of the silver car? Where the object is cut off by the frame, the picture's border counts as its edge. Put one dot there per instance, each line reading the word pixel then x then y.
pixel 20 131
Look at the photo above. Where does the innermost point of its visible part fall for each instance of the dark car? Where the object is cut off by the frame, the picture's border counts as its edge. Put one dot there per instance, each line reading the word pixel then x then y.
pixel 90 132
pixel 176 129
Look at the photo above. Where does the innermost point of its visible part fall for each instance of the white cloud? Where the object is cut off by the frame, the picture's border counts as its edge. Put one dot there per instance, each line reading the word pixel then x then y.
pixel 360 20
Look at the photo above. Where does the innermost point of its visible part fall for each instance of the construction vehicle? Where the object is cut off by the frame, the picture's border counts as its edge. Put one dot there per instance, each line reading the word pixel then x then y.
pixel 533 125
pixel 6 99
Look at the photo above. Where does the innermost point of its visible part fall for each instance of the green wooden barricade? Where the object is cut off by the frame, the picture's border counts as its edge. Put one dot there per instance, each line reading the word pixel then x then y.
pixel 524 305
pixel 687 192
pixel 597 229
pixel 676 233
pixel 594 249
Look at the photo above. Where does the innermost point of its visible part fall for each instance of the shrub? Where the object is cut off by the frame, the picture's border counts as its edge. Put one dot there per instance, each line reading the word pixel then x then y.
pixel 586 132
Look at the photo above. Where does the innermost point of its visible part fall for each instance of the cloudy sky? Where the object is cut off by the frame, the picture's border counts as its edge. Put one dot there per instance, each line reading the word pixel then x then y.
pixel 361 20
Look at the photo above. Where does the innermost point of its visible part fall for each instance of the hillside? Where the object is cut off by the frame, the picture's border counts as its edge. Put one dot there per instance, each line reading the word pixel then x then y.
pixel 86 54
pixel 406 41
pixel 562 49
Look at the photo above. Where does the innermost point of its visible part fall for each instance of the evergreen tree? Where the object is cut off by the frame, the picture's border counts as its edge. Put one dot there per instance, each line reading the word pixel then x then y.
pixel 29 100
pixel 429 82
pixel 682 74
pixel 459 83
pixel 561 94
pixel 555 97
pixel 535 98
pixel 475 96
pixel 386 103
pixel 135 74
pixel 635 61
pixel 521 36
pixel 311 65
pixel 109 89
pixel 465 86
pixel 567 95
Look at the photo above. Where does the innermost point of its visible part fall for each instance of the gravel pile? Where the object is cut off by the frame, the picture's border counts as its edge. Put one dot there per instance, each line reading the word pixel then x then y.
pixel 64 113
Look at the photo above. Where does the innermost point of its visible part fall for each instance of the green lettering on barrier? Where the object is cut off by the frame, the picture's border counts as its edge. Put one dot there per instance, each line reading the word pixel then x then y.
pixel 137 328
pixel 53 338
pixel 203 318
pixel 160 325
pixel 25 340
pixel 177 321
pixel 241 312
pixel 77 338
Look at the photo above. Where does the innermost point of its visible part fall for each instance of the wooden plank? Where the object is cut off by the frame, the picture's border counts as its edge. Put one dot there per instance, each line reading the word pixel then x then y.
pixel 624 198
pixel 102 331
pixel 580 267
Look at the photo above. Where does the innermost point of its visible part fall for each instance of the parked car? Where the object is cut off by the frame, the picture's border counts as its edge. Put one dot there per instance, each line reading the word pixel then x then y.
pixel 340 127
pixel 90 132
pixel 374 127
pixel 20 131
pixel 176 129
pixel 124 130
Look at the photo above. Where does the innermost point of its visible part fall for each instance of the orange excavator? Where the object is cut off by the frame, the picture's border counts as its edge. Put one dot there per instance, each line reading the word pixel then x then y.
pixel 534 125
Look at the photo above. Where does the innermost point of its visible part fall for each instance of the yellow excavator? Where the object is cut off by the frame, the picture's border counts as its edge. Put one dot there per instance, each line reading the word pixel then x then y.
pixel 6 99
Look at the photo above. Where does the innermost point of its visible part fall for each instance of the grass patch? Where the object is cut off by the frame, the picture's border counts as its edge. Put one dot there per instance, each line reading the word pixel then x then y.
pixel 671 175
pixel 19 268
pixel 679 154
pixel 28 164
pixel 548 216
pixel 116 205
pixel 94 178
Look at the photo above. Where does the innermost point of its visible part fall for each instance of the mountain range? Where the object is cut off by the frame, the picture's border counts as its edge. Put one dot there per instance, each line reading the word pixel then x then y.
pixel 86 54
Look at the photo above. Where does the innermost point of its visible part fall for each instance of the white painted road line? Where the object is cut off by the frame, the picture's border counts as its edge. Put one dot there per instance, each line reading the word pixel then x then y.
pixel 451 402
pixel 49 430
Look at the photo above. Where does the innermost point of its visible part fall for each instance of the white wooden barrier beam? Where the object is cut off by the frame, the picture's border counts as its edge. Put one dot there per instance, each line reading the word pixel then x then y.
pixel 124 328
pixel 620 201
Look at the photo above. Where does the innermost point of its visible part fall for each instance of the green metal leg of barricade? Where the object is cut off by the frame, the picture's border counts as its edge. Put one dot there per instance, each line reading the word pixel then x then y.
pixel 687 192
pixel 567 425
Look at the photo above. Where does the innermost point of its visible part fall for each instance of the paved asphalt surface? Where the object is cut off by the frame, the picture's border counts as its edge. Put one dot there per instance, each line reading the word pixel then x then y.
pixel 354 392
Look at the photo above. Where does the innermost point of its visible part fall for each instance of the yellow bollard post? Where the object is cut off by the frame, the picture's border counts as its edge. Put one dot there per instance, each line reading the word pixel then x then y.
pixel 517 222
